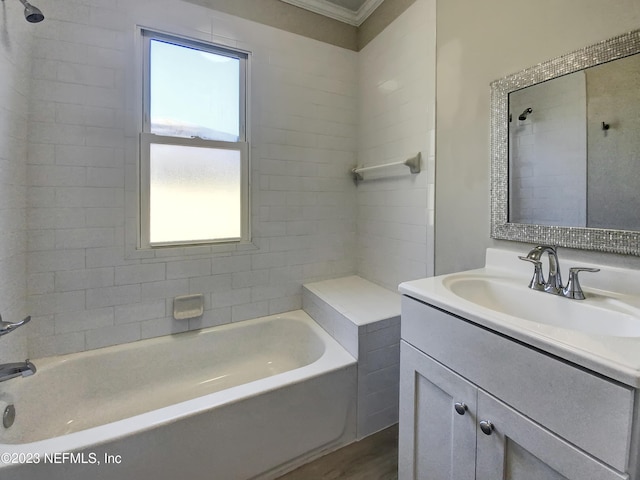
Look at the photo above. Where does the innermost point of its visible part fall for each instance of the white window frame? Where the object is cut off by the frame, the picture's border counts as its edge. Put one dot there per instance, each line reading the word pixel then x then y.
pixel 147 138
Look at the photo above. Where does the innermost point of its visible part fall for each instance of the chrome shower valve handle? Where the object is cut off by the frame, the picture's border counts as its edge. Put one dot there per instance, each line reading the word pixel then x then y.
pixel 8 327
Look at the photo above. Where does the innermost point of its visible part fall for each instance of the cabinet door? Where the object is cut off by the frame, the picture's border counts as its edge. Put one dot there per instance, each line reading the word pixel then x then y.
pixel 436 442
pixel 520 449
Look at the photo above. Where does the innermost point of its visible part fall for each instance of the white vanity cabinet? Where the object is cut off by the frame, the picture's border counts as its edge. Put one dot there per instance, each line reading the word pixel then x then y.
pixel 477 405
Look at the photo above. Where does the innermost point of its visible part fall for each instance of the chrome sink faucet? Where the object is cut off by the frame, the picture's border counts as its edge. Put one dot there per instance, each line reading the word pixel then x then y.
pixel 19 369
pixel 553 283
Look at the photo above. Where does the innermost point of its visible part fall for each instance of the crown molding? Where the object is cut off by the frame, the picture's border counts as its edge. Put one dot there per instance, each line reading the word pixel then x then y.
pixel 367 9
pixel 337 12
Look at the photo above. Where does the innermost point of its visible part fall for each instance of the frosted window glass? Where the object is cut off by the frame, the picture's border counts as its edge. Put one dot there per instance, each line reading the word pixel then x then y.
pixel 194 93
pixel 195 194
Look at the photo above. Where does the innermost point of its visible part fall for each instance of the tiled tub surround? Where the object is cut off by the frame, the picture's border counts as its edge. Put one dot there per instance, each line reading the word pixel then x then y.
pixel 396 120
pixel 69 188
pixel 365 319
pixel 88 286
pixel 248 400
pixel 15 45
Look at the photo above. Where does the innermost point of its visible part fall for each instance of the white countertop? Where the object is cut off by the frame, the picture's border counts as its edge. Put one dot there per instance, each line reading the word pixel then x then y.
pixel 614 357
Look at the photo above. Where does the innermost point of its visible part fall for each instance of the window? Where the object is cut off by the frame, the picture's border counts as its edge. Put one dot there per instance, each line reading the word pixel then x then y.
pixel 194 151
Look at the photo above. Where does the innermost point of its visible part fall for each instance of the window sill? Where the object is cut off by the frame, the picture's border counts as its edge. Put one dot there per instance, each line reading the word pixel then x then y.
pixel 163 253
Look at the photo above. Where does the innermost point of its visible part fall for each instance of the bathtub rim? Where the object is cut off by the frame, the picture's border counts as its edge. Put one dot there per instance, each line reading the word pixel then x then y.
pixel 334 358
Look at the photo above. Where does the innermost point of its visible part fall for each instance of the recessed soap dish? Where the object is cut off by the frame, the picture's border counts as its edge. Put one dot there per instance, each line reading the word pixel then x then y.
pixel 188 306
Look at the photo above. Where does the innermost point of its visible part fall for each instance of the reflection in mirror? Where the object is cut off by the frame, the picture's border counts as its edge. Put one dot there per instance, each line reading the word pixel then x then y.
pixel 613 145
pixel 574 151
pixel 565 150
pixel 547 154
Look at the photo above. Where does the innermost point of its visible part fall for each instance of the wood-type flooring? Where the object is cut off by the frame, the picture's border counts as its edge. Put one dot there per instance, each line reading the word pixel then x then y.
pixel 373 458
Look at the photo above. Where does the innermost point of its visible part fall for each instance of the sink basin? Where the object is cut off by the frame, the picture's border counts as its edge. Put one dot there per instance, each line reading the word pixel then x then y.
pixel 600 333
pixel 598 314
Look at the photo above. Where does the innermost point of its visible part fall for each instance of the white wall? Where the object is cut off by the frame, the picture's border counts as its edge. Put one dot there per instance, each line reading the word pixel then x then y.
pixel 396 82
pixel 14 71
pixel 88 286
pixel 477 43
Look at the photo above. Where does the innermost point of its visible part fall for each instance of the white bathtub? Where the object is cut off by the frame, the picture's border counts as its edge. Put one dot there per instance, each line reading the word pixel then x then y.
pixel 240 401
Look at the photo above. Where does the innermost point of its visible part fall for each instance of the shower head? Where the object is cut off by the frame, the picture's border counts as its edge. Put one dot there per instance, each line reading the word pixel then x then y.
pixel 523 115
pixel 31 13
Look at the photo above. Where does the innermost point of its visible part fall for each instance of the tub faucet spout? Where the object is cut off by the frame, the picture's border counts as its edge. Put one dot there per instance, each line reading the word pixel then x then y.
pixel 18 369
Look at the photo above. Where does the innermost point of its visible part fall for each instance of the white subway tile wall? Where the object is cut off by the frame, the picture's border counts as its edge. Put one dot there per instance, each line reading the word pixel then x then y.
pixel 88 286
pixel 15 44
pixel 396 120
pixel 69 204
pixel 365 319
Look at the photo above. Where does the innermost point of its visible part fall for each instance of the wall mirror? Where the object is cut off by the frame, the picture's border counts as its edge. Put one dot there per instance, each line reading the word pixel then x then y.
pixel 565 150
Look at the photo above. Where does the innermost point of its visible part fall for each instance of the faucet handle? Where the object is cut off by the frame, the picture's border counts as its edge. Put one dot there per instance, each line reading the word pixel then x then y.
pixel 573 289
pixel 8 327
pixel 537 282
pixel 583 269
pixel 527 259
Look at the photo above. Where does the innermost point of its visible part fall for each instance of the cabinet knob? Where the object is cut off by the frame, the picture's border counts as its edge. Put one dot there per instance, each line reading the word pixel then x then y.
pixel 461 408
pixel 487 427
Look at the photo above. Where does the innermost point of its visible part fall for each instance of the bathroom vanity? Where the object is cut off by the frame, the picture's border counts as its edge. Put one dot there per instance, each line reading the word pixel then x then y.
pixel 509 374
pixel 501 381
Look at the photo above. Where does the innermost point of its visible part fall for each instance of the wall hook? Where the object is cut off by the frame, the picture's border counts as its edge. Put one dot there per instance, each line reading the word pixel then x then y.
pixel 605 126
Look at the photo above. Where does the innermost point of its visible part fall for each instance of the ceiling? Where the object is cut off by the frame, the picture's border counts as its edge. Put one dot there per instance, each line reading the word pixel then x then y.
pixel 353 12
